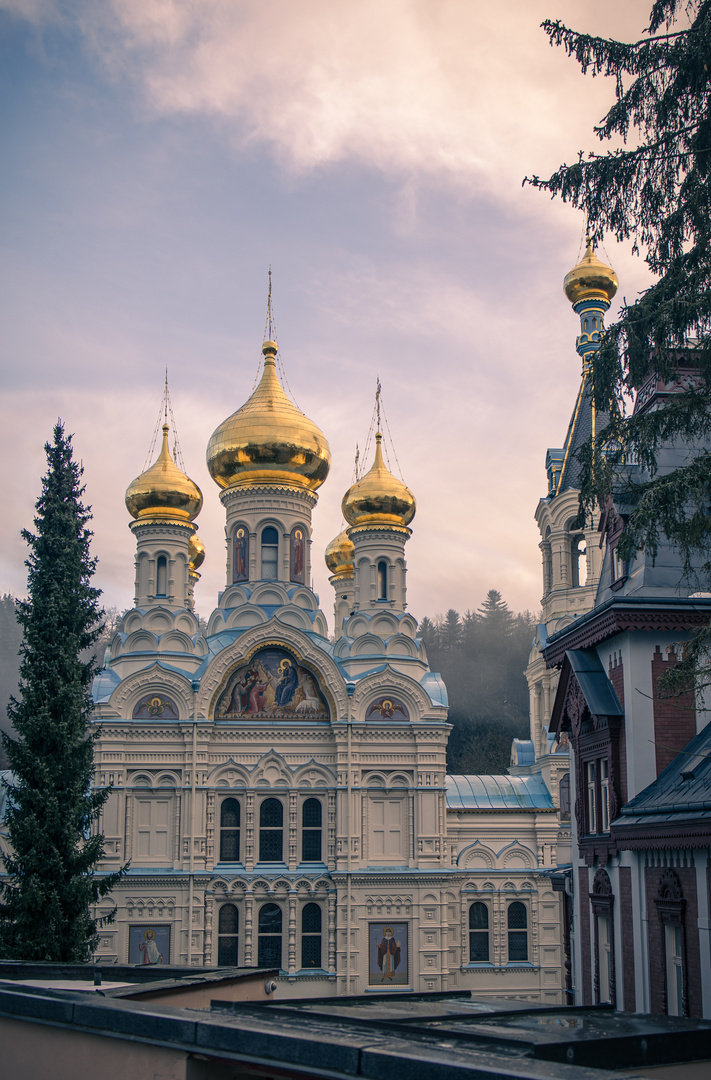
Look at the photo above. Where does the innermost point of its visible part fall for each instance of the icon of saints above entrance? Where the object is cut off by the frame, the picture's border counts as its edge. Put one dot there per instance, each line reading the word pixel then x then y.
pixel 272 686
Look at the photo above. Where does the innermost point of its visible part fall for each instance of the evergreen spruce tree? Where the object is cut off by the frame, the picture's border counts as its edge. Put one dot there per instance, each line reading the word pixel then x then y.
pixel 655 189
pixel 51 883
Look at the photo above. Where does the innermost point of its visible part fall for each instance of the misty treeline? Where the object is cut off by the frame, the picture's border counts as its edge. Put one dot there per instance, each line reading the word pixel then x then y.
pixel 10 638
pixel 482 656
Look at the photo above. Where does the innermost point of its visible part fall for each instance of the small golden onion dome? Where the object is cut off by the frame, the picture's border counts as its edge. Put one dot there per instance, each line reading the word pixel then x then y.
pixel 164 491
pixel 590 279
pixel 379 498
pixel 268 440
pixel 339 555
pixel 196 551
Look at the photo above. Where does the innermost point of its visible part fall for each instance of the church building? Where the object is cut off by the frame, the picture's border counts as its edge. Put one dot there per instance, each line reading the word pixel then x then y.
pixel 282 794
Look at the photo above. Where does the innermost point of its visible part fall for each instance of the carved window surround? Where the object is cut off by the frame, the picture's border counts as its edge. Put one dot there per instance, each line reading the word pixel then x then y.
pixel 602 901
pixel 671 904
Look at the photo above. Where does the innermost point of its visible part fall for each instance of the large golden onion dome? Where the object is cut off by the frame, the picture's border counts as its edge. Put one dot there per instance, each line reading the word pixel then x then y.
pixel 379 498
pixel 590 279
pixel 339 555
pixel 164 491
pixel 196 551
pixel 268 440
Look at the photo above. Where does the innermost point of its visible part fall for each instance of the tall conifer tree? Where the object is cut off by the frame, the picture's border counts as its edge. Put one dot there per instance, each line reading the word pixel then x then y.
pixel 45 909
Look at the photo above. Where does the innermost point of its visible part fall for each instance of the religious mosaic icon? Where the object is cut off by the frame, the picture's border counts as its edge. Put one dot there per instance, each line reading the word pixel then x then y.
pixel 240 561
pixel 155 707
pixel 387 708
pixel 298 542
pixel 272 686
pixel 388 954
pixel 149 945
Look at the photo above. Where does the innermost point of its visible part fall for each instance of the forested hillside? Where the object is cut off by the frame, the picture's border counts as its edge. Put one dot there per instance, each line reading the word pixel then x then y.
pixel 482 656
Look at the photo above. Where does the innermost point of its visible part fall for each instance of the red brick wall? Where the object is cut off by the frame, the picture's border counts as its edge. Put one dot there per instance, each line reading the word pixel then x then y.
pixel 687 880
pixel 674 718
pixel 627 924
pixel 617 678
pixel 586 973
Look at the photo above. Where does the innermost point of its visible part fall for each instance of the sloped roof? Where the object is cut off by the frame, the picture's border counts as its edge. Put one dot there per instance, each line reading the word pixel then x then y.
pixel 679 799
pixel 497 793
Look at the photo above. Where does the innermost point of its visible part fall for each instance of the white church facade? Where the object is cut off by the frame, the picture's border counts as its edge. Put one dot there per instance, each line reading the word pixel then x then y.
pixel 282 795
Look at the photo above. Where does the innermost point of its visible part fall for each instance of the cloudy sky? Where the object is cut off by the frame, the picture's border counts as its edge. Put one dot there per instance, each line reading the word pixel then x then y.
pixel 159 155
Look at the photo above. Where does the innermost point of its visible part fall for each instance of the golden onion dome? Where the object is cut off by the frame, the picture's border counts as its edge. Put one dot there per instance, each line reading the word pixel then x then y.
pixel 196 551
pixel 379 498
pixel 268 440
pixel 339 555
pixel 164 491
pixel 590 279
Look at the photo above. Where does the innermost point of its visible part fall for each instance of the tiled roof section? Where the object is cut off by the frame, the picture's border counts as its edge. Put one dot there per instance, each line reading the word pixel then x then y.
pixel 579 432
pixel 497 793
pixel 681 792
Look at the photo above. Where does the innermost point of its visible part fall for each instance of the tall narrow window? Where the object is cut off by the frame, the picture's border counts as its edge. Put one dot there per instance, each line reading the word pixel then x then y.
pixel 675 970
pixel 271 831
pixel 229 831
pixel 604 795
pixel 161 576
pixel 564 790
pixel 269 948
pixel 227 936
pixel 592 797
pixel 518 931
pixel 478 933
pixel 270 553
pixel 603 959
pixel 311 831
pixel 311 936
pixel 578 558
pixel 382 580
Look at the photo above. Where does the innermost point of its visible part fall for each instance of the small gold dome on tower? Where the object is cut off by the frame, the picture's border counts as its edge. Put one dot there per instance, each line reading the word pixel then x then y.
pixel 268 440
pixel 339 555
pixel 196 551
pixel 379 498
pixel 590 279
pixel 164 491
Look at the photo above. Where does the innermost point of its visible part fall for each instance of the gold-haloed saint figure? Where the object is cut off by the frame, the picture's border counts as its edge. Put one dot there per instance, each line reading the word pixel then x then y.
pixel 388 954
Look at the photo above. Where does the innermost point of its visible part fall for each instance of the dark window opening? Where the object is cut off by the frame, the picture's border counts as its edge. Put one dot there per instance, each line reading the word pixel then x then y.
pixel 311 831
pixel 227 936
pixel 382 580
pixel 271 831
pixel 161 576
pixel 518 932
pixel 229 831
pixel 478 933
pixel 269 947
pixel 311 936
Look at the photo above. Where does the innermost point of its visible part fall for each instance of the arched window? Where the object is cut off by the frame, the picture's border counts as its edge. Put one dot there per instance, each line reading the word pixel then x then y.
pixel 240 554
pixel 270 553
pixel 269 948
pixel 382 580
pixel 564 790
pixel 161 576
pixel 271 831
pixel 578 561
pixel 478 933
pixel 311 936
pixel 229 831
pixel 518 931
pixel 311 831
pixel 227 936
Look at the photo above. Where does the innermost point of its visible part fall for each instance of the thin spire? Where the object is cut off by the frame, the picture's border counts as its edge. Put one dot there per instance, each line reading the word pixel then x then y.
pixel 269 326
pixel 378 390
pixel 165 419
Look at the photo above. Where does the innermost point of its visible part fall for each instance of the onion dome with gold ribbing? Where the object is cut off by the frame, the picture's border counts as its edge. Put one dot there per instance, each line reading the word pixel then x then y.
pixel 196 551
pixel 379 498
pixel 590 279
pixel 339 555
pixel 268 440
pixel 164 491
